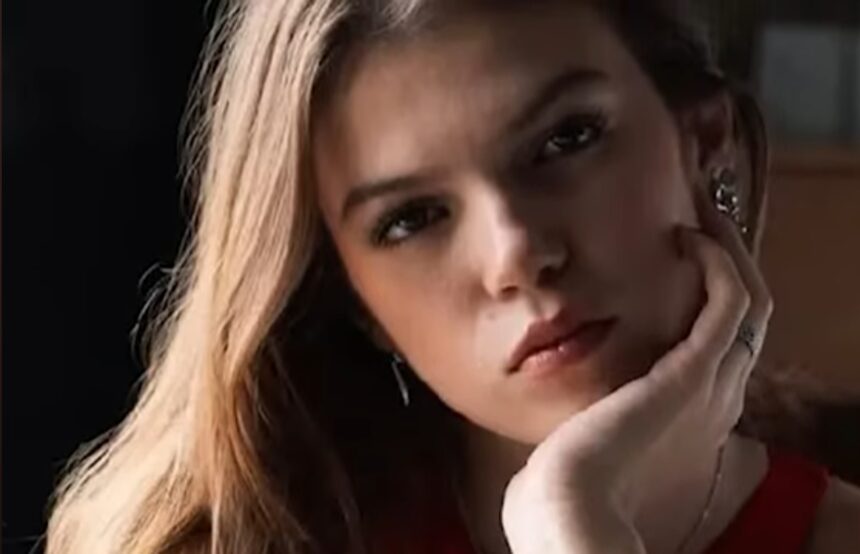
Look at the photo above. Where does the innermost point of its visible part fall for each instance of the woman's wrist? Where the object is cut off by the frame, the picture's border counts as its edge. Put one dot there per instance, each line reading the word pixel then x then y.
pixel 600 528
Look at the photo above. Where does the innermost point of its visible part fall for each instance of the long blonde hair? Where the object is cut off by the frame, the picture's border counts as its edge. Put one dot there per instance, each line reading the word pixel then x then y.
pixel 184 458
pixel 225 451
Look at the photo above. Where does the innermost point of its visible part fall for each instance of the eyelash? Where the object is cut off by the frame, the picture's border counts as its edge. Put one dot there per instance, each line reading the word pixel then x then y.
pixel 594 124
pixel 423 206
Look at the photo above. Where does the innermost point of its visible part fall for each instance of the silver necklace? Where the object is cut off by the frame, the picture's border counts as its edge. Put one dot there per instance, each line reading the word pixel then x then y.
pixel 703 517
pixel 706 511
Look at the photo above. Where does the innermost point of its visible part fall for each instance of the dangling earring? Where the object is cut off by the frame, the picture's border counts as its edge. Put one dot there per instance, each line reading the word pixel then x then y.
pixel 398 364
pixel 725 195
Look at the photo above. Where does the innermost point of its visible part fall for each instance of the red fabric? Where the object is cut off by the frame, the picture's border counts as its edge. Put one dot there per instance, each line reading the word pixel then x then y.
pixel 443 534
pixel 777 519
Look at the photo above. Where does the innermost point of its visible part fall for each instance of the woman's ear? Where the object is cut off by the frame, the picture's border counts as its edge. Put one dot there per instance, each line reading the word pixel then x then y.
pixel 708 143
pixel 714 139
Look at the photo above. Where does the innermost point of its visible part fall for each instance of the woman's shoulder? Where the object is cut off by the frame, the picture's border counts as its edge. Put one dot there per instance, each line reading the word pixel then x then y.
pixel 837 523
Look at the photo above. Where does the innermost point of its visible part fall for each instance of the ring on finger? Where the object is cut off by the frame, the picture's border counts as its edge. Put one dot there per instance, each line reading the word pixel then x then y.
pixel 747 336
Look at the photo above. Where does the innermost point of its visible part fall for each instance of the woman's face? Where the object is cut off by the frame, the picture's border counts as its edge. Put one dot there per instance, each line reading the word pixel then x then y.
pixel 491 173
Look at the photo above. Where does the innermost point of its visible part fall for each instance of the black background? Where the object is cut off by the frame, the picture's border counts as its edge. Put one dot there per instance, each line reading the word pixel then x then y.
pixel 93 94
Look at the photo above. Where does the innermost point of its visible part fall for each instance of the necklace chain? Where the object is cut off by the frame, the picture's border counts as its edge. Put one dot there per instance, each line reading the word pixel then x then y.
pixel 706 511
pixel 703 517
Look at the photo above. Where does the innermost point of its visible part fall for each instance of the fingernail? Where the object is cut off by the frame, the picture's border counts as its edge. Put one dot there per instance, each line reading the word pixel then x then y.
pixel 705 204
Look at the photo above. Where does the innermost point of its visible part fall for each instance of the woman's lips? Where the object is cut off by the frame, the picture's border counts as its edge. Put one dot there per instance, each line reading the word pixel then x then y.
pixel 570 349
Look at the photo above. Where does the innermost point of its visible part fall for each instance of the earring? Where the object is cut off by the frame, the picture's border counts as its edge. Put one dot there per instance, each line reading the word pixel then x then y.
pixel 398 365
pixel 725 195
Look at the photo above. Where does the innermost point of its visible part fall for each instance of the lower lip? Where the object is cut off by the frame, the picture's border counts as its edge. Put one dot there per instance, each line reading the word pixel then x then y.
pixel 572 350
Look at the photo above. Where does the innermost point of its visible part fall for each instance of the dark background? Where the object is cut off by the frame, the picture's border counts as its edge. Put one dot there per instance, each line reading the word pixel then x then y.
pixel 93 94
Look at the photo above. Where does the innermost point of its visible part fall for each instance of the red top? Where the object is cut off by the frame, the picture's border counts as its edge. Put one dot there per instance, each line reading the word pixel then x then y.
pixel 778 518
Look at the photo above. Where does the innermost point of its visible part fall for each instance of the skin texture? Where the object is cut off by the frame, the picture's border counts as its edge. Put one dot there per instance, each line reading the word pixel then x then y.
pixel 512 237
pixel 503 211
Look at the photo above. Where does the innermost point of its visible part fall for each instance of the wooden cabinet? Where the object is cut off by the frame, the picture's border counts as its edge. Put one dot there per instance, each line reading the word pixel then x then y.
pixel 811 260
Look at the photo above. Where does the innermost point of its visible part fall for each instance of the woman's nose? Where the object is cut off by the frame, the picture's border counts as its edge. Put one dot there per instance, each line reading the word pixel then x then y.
pixel 522 253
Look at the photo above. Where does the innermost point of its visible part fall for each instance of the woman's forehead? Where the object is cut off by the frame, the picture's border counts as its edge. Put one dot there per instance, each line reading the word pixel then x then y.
pixel 503 50
pixel 405 105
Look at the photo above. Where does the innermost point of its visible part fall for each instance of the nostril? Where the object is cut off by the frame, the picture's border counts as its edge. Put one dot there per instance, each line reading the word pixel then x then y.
pixel 523 259
pixel 553 265
pixel 548 275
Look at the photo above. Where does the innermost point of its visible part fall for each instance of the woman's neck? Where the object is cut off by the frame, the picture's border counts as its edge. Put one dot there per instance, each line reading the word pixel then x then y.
pixel 668 510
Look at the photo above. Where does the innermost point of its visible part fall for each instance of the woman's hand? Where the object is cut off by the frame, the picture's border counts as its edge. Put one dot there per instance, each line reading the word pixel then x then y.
pixel 577 492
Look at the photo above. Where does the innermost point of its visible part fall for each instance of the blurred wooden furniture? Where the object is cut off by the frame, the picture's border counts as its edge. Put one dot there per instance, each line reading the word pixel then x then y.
pixel 811 260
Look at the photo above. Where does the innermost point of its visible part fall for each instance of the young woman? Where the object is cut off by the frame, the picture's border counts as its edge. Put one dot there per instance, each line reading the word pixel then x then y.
pixel 465 276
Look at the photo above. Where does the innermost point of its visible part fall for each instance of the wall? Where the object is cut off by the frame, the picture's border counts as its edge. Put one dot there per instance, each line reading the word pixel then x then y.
pixel 811 260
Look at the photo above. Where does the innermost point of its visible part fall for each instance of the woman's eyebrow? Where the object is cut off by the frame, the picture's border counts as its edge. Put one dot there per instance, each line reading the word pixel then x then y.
pixel 550 91
pixel 545 94
pixel 367 191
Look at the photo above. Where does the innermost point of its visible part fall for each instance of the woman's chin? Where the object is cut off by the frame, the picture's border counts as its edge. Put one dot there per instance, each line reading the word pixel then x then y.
pixel 567 400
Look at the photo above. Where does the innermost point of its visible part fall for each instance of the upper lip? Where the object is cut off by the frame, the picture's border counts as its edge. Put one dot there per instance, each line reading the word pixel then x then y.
pixel 545 333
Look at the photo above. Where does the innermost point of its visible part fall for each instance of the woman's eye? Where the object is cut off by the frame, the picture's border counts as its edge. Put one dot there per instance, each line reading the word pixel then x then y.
pixel 405 222
pixel 573 135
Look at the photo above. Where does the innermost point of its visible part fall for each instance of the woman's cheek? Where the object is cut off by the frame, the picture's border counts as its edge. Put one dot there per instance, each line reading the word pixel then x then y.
pixel 659 300
pixel 683 299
